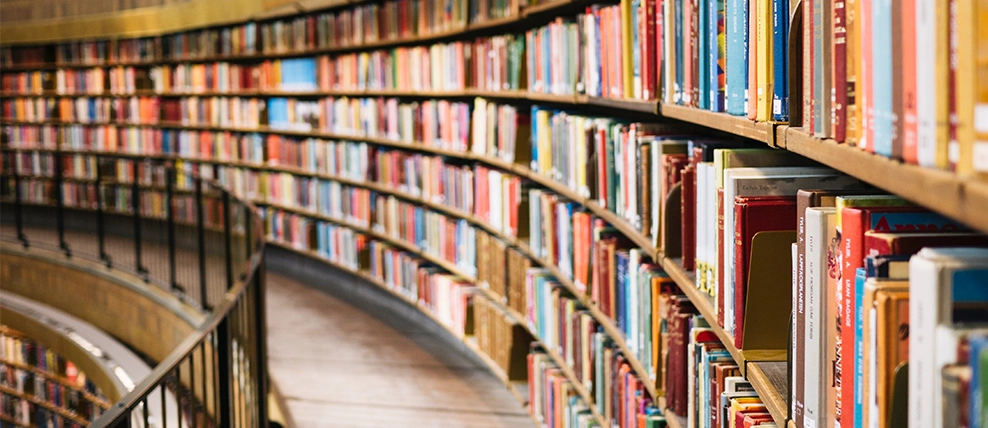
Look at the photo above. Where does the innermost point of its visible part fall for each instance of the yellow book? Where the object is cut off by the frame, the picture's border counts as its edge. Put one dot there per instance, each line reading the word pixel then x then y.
pixel 979 147
pixel 966 90
pixel 544 143
pixel 942 82
pixel 764 57
pixel 627 49
pixel 581 156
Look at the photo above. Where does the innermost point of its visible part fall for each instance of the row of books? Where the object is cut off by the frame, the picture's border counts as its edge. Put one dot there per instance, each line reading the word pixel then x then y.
pixel 878 293
pixel 489 63
pixel 26 413
pixel 50 391
pixel 500 337
pixel 897 80
pixel 118 198
pixel 124 110
pixel 497 130
pixel 19 350
pixel 117 80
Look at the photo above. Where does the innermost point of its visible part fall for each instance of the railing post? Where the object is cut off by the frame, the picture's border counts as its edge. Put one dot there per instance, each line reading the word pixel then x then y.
pixel 60 204
pixel 18 215
pixel 227 240
pixel 170 215
pixel 100 220
pixel 136 206
pixel 223 369
pixel 202 246
pixel 260 316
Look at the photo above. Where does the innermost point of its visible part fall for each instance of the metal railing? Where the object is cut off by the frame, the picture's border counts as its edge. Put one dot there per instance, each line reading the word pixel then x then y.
pixel 160 221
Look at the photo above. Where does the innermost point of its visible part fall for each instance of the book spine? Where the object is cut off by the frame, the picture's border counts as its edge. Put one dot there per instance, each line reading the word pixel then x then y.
pixel 927 87
pixel 808 63
pixel 780 61
pixel 752 46
pixel 909 101
pixel 736 79
pixel 979 149
pixel 852 228
pixel 840 102
pixel 764 57
pixel 967 83
pixel 881 77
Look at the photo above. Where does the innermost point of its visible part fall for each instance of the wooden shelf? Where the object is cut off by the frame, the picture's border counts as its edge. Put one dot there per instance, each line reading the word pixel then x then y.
pixel 737 125
pixel 771 383
pixel 704 305
pixel 961 198
pixel 615 104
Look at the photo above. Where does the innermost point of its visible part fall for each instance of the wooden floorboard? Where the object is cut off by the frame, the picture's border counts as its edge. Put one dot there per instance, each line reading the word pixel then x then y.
pixel 337 365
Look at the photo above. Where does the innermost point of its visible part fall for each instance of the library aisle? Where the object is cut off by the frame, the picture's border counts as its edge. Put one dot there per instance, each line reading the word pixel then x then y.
pixel 338 365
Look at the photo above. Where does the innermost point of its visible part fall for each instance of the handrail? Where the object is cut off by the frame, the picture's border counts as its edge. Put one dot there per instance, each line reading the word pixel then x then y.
pixel 229 387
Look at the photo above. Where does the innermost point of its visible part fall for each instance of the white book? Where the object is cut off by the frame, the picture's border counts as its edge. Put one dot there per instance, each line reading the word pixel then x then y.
pixel 634 259
pixel 926 87
pixel 793 350
pixel 821 230
pixel 932 337
pixel 711 221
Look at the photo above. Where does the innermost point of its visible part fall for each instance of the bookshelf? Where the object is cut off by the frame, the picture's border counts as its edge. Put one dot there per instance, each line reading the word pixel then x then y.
pixel 959 197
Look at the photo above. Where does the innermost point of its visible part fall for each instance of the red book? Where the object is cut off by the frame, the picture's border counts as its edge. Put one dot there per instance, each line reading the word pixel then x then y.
pixel 679 327
pixel 651 51
pixel 753 214
pixel 881 243
pixel 689 217
pixel 908 54
pixel 839 106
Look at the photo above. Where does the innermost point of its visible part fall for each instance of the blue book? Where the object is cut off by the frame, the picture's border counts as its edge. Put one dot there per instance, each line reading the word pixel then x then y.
pixel 979 353
pixel 620 292
pixel 882 76
pixel 278 113
pixel 736 54
pixel 859 285
pixel 548 85
pixel 780 60
pixel 703 53
pixel 298 74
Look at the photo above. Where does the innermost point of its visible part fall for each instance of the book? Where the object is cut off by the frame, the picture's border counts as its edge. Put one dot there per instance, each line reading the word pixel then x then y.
pixel 753 215
pixel 958 274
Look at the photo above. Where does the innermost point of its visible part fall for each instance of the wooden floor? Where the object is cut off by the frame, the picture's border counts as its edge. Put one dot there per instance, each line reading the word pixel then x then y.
pixel 338 366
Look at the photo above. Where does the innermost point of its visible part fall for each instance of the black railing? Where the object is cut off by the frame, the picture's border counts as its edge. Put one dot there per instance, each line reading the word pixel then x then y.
pixel 173 230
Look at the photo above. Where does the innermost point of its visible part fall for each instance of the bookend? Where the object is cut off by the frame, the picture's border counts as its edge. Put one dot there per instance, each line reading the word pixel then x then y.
pixel 766 324
pixel 672 233
pixel 899 406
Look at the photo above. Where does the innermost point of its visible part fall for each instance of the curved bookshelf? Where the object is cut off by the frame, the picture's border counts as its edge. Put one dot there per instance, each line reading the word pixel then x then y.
pixel 958 197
